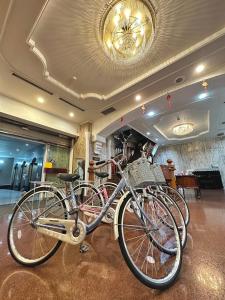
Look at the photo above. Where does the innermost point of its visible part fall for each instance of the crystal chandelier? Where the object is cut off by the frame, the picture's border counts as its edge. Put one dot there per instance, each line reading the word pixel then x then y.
pixel 183 129
pixel 128 29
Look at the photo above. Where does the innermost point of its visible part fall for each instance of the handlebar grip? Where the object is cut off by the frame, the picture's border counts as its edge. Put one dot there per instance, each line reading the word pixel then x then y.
pixel 100 162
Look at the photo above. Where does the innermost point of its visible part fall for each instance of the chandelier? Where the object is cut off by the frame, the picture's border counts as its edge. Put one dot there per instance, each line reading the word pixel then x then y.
pixel 183 129
pixel 128 29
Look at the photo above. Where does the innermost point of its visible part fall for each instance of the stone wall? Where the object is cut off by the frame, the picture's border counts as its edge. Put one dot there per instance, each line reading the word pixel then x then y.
pixel 195 155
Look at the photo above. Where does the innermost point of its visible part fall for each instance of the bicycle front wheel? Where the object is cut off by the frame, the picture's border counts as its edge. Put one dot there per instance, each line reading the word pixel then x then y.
pixel 180 201
pixel 140 235
pixel 26 245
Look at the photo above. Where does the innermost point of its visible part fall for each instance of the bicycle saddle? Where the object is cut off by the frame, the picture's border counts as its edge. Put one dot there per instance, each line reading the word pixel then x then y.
pixel 102 174
pixel 68 177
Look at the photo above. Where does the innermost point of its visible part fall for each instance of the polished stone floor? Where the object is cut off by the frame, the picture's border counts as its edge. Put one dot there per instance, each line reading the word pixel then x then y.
pixel 102 274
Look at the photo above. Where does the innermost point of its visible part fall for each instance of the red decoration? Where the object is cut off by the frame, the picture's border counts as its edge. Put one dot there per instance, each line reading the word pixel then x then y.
pixel 169 101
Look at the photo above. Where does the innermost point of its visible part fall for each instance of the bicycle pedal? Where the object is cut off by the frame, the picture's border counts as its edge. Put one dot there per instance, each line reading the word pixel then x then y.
pixel 84 248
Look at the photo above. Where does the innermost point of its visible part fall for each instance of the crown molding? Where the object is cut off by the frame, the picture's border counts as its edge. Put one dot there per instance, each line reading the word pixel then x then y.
pixel 46 73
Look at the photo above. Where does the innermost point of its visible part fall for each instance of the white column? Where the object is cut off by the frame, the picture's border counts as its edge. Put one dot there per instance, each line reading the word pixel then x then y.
pixel 108 155
pixel 87 154
pixel 43 174
pixel 71 158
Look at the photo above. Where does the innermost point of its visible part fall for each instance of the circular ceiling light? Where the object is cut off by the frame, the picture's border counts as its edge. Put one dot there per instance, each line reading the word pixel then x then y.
pixel 127 29
pixel 183 129
pixel 200 68
pixel 138 98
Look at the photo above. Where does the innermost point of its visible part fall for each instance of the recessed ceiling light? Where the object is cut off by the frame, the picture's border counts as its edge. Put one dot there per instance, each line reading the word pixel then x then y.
pixel 156 139
pixel 74 78
pixel 17 150
pixel 148 133
pixel 151 113
pixel 200 68
pixel 71 114
pixel 203 96
pixel 26 145
pixel 40 100
pixel 138 97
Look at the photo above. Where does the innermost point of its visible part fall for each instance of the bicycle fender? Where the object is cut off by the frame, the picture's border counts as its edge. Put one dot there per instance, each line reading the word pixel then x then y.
pixel 116 217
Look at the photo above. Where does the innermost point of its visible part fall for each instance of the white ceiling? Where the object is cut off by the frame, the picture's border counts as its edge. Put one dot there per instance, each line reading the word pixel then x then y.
pixel 207 115
pixel 49 42
pixel 198 117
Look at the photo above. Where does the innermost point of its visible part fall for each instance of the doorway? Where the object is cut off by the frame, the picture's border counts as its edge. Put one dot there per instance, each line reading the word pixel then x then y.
pixel 21 162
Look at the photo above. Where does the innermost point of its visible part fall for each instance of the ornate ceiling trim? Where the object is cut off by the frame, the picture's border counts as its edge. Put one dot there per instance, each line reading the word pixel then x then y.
pixel 185 138
pixel 181 55
pixel 54 81
pixel 48 77
pixel 2 31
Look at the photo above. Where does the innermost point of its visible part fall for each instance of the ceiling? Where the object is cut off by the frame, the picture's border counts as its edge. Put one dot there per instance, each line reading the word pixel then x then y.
pixel 207 115
pixel 50 42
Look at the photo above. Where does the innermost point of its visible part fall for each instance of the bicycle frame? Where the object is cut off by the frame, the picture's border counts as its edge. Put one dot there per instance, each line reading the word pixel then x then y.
pixel 46 224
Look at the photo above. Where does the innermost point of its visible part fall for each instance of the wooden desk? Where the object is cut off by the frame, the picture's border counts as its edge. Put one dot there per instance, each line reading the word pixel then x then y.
pixel 188 182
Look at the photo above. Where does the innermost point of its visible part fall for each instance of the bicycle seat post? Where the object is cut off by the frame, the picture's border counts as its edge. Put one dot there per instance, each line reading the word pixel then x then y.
pixel 72 195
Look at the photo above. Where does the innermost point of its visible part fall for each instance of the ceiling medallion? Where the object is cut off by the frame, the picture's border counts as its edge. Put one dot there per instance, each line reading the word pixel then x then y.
pixel 127 29
pixel 183 129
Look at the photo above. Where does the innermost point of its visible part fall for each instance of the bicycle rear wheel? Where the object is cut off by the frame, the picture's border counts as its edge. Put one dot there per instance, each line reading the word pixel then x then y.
pixel 177 214
pixel 110 187
pixel 26 245
pixel 89 200
pixel 142 242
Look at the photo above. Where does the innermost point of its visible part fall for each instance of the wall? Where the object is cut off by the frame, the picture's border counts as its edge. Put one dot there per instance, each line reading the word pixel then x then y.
pixel 15 109
pixel 195 155
pixel 60 156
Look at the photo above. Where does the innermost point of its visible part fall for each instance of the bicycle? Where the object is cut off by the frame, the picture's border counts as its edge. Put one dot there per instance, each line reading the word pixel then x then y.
pixel 148 237
pixel 104 189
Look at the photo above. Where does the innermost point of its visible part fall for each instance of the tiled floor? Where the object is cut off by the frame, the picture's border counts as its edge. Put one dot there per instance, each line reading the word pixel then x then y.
pixel 102 274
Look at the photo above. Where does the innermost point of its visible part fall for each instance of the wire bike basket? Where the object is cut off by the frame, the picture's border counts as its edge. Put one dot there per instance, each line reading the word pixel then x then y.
pixel 158 173
pixel 139 173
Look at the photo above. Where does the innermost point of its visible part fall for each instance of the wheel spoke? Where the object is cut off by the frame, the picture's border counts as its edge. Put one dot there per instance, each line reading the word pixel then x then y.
pixel 26 244
pixel 145 245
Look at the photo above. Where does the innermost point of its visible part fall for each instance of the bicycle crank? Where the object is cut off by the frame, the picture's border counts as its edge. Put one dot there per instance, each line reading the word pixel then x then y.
pixel 109 216
pixel 61 229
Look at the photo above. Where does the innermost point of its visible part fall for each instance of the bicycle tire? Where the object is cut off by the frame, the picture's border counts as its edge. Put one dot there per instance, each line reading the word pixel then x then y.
pixel 17 207
pixel 150 282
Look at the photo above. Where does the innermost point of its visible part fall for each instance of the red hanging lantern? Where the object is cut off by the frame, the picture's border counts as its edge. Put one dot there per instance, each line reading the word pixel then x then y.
pixel 169 101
